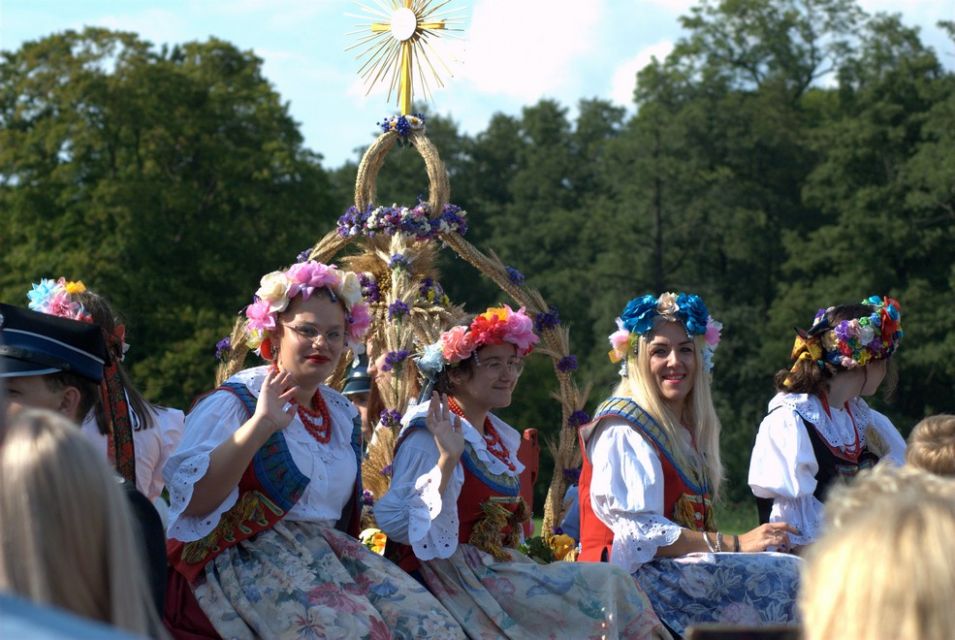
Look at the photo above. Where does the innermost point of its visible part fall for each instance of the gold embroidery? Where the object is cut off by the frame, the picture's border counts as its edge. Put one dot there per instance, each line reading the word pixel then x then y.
pixel 248 512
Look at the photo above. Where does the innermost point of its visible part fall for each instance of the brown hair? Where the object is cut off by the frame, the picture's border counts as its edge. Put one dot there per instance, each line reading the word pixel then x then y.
pixel 808 376
pixel 932 445
pixel 89 390
pixel 108 320
pixel 443 383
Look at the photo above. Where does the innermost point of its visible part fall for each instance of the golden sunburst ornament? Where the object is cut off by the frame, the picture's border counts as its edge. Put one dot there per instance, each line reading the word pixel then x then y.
pixel 399 50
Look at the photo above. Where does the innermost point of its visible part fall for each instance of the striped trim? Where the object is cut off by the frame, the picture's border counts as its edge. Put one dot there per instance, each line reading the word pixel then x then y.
pixel 643 422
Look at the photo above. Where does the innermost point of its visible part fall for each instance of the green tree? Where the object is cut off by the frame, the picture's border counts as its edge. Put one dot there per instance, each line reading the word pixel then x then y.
pixel 167 180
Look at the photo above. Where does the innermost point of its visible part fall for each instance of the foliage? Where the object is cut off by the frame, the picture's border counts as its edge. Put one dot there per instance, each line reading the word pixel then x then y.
pixel 786 155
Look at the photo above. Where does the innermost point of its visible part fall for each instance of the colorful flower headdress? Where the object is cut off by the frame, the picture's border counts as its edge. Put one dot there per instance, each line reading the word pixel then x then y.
pixel 852 343
pixel 497 325
pixel 639 314
pixel 55 297
pixel 278 288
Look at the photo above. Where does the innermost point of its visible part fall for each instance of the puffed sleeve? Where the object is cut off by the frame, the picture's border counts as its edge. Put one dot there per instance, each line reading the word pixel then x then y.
pixel 413 511
pixel 208 425
pixel 891 445
pixel 626 493
pixel 783 467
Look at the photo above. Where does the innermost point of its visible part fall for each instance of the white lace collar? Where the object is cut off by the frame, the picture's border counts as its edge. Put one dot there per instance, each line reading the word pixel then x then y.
pixel 340 410
pixel 837 430
pixel 510 437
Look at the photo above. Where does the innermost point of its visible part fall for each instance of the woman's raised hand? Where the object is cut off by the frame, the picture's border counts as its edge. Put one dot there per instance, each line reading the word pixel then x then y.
pixel 445 427
pixel 276 404
pixel 766 536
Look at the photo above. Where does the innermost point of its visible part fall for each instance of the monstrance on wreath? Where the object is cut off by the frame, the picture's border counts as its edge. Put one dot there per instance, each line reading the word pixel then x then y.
pixel 397 250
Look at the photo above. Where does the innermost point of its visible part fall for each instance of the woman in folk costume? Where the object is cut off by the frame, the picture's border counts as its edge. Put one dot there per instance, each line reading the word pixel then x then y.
pixel 819 429
pixel 454 503
pixel 156 430
pixel 652 469
pixel 265 485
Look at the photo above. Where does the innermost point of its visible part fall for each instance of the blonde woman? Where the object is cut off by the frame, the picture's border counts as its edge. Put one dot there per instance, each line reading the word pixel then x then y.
pixel 652 468
pixel 67 538
pixel 884 568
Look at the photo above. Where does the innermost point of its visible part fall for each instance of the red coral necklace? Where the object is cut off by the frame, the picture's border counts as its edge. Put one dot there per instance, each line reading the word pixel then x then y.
pixel 491 437
pixel 316 419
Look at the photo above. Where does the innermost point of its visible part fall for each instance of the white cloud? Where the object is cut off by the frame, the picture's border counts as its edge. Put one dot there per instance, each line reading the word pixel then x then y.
pixel 625 75
pixel 527 49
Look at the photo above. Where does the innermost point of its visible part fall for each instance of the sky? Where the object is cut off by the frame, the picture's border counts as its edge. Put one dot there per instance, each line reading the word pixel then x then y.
pixel 508 54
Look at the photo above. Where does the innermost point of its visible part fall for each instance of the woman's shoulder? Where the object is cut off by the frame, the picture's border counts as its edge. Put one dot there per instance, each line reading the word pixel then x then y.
pixel 784 406
pixel 336 400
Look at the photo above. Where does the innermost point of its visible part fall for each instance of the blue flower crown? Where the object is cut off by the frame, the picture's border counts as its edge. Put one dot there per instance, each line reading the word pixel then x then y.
pixel 638 317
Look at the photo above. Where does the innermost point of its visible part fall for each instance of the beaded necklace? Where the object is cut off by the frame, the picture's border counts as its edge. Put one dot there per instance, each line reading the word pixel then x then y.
pixel 316 418
pixel 491 437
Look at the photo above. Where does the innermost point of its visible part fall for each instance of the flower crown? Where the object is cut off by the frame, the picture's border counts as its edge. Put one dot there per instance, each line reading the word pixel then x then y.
pixel 856 342
pixel 278 288
pixel 497 325
pixel 55 297
pixel 638 316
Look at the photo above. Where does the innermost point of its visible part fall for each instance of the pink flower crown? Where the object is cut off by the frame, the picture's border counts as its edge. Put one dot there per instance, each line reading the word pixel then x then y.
pixel 278 288
pixel 55 297
pixel 497 325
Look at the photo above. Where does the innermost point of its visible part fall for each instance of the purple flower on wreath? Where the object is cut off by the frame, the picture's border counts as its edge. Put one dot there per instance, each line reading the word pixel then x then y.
pixel 367 498
pixel 390 417
pixel 304 256
pixel 567 364
pixel 451 219
pixel 387 470
pixel 572 475
pixel 223 347
pixel 369 288
pixel 547 319
pixel 515 276
pixel 578 418
pixel 397 310
pixel 398 261
pixel 394 359
pixel 558 531
pixel 352 222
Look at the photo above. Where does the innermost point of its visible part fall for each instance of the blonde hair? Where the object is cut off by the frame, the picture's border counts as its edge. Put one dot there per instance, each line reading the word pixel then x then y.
pixel 846 502
pixel 699 413
pixel 889 574
pixel 68 537
pixel 932 445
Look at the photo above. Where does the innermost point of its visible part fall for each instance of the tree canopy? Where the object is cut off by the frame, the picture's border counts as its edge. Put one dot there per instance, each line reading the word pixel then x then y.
pixel 787 155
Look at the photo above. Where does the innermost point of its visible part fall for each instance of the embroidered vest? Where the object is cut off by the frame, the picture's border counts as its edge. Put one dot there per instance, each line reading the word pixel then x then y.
pixel 685 502
pixel 268 489
pixel 490 508
pixel 835 465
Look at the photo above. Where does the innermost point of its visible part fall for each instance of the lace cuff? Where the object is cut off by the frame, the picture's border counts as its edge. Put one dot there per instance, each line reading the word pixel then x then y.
pixel 433 529
pixel 636 539
pixel 190 528
pixel 804 513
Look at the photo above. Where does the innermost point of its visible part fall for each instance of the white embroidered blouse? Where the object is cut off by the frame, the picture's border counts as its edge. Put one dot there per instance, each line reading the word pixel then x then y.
pixel 626 492
pixel 152 446
pixel 413 512
pixel 783 466
pixel 331 467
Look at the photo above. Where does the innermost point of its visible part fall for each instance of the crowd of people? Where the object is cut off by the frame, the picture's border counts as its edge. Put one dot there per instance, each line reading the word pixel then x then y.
pixel 241 518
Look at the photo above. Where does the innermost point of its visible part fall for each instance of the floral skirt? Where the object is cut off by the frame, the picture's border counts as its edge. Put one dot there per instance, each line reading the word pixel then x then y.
pixel 735 588
pixel 309 581
pixel 521 599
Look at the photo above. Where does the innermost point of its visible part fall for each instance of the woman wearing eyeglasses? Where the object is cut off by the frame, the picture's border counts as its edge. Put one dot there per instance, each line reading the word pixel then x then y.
pixel 454 505
pixel 265 484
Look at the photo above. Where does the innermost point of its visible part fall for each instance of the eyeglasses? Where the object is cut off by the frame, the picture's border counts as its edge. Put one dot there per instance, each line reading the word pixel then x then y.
pixel 310 334
pixel 497 366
